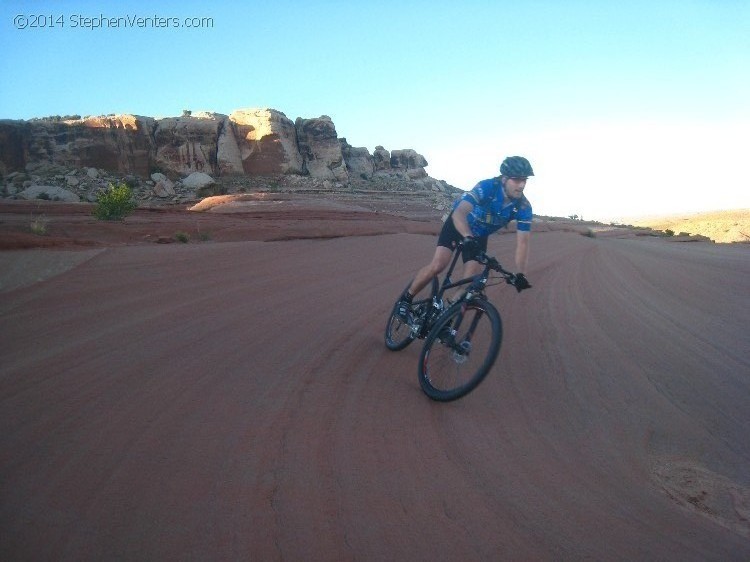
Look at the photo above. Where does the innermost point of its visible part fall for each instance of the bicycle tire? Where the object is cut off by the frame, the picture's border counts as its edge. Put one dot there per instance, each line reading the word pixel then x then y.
pixel 453 364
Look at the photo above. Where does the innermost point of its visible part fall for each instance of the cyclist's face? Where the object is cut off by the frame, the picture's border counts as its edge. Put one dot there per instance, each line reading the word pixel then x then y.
pixel 514 187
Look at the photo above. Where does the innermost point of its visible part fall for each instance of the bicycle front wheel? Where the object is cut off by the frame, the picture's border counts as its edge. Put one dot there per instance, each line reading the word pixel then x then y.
pixel 460 350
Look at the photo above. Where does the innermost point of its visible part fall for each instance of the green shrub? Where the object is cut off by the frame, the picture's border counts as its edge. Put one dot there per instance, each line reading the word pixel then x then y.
pixel 114 203
pixel 182 237
pixel 669 232
pixel 39 225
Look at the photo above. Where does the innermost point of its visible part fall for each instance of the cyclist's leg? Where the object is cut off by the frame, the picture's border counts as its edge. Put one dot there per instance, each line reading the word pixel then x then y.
pixel 440 261
pixel 423 278
pixel 446 243
pixel 471 267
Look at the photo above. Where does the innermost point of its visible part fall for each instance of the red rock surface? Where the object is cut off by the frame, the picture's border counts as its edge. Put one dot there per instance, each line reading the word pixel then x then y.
pixel 233 399
pixel 73 226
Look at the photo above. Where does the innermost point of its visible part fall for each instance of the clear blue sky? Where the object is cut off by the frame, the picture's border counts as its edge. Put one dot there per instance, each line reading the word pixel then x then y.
pixel 623 107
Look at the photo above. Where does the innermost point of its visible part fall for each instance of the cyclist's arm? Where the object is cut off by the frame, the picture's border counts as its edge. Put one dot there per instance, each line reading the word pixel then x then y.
pixel 522 250
pixel 459 218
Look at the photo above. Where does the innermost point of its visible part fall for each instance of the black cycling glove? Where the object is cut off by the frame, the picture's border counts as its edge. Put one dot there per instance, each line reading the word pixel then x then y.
pixel 521 283
pixel 471 248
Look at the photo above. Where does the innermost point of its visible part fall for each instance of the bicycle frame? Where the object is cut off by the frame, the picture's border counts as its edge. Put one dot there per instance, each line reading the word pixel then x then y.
pixel 439 289
pixel 447 284
pixel 490 264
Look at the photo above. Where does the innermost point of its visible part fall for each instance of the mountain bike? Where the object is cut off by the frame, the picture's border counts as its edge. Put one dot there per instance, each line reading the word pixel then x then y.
pixel 462 339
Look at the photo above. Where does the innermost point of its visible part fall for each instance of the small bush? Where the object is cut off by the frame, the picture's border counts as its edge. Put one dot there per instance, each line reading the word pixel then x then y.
pixel 114 203
pixel 39 225
pixel 182 237
pixel 669 232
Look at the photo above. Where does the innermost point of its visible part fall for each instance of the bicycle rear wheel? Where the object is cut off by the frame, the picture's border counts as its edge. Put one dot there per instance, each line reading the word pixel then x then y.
pixel 460 350
pixel 398 334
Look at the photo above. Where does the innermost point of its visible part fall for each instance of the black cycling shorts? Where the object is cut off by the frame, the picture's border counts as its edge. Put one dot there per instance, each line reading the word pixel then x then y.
pixel 450 237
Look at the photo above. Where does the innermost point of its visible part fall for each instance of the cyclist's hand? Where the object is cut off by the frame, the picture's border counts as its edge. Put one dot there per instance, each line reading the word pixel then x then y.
pixel 520 282
pixel 471 247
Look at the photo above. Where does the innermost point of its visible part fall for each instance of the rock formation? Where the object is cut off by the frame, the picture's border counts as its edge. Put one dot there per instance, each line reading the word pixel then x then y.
pixel 359 162
pixel 252 142
pixel 181 159
pixel 320 148
pixel 188 144
pixel 382 159
pixel 123 143
pixel 266 140
pixel 410 162
pixel 49 192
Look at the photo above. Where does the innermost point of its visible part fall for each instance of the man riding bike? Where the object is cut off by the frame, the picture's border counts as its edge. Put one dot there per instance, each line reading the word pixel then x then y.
pixel 488 207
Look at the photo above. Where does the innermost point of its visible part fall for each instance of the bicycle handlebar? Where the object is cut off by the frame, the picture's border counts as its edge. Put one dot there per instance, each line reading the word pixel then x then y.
pixel 492 263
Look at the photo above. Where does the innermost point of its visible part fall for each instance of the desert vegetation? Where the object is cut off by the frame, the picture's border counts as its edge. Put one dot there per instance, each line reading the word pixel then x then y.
pixel 115 202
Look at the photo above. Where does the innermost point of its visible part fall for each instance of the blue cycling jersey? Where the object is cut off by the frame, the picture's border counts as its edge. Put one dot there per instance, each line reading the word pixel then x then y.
pixel 489 213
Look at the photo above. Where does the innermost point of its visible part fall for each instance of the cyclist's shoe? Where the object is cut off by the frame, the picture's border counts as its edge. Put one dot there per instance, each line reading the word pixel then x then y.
pixel 403 312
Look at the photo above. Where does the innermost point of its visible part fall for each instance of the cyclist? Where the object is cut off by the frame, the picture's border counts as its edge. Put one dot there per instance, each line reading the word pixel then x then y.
pixel 488 207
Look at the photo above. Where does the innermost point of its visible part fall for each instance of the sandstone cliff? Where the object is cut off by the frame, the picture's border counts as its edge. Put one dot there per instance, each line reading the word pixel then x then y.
pixel 250 142
pixel 123 143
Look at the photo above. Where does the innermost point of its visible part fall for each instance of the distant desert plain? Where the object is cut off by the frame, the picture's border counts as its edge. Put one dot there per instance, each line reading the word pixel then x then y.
pixel 720 226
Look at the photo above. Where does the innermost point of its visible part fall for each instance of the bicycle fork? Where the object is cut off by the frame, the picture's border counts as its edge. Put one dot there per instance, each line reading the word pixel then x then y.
pixel 463 348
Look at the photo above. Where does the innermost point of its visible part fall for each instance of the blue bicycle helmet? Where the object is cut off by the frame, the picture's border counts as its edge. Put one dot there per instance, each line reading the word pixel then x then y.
pixel 516 167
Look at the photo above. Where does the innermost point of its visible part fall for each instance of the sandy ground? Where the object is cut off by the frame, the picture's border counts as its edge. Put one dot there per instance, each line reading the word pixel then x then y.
pixel 232 399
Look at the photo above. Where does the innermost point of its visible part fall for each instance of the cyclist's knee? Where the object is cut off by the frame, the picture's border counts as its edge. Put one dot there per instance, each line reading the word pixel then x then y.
pixel 437 266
